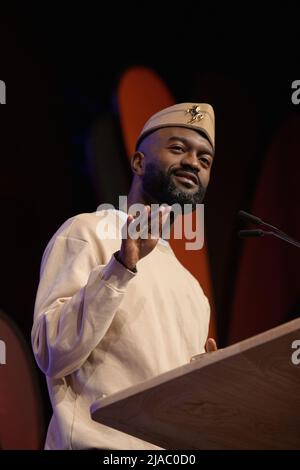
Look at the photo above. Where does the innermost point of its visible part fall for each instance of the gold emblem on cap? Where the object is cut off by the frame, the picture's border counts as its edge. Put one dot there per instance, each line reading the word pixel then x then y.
pixel 195 112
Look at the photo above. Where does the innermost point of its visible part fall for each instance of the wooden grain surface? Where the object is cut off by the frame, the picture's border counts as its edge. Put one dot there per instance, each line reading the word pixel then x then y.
pixel 246 396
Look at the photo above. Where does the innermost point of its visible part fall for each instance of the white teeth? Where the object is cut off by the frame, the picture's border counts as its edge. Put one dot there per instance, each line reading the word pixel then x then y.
pixel 187 179
pixel 189 182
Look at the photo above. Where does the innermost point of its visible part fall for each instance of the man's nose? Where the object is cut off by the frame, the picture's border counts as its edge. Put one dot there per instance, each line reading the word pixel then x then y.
pixel 191 159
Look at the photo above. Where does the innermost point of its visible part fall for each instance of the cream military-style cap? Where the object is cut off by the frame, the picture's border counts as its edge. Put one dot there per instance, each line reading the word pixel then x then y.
pixel 196 116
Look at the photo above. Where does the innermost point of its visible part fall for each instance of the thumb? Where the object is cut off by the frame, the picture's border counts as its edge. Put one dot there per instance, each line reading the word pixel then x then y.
pixel 211 345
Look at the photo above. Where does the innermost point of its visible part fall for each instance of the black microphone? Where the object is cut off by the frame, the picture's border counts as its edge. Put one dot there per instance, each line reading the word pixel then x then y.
pixel 251 233
pixel 250 217
pixel 260 233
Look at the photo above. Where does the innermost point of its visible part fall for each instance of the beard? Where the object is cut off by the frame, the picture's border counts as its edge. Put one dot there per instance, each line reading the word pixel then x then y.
pixel 158 186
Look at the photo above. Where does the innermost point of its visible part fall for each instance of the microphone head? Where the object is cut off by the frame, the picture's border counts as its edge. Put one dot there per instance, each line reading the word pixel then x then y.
pixel 251 233
pixel 251 218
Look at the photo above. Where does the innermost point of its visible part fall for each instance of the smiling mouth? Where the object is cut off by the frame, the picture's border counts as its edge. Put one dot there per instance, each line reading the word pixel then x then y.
pixel 187 178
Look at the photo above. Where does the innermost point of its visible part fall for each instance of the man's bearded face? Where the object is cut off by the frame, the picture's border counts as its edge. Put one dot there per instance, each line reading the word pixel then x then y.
pixel 164 186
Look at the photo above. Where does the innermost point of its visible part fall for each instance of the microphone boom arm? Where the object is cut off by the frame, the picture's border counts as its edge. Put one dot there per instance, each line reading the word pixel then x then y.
pixel 260 233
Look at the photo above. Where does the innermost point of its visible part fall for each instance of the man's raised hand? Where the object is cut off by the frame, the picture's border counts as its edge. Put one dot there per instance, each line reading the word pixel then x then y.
pixel 140 236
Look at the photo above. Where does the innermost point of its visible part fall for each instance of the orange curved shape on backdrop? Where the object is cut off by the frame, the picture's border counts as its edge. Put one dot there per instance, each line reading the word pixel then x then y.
pixel 141 93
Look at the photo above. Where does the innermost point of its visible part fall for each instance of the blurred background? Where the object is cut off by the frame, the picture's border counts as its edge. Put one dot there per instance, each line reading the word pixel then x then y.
pixel 64 151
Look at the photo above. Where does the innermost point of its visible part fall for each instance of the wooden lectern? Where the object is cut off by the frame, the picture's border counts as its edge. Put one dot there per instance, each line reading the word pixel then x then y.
pixel 246 396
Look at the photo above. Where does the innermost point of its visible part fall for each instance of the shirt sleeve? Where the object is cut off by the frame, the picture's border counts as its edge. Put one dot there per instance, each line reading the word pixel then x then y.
pixel 75 304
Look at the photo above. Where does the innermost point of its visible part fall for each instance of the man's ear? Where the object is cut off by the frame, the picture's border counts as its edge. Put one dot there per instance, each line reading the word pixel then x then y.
pixel 138 163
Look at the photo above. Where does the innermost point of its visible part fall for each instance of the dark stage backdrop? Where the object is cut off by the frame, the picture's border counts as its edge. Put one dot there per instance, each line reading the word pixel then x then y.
pixel 61 78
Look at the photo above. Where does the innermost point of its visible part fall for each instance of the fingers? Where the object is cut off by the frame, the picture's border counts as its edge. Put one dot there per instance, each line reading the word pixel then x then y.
pixel 136 224
pixel 157 221
pixel 148 224
pixel 163 218
pixel 125 227
pixel 211 345
pixel 130 218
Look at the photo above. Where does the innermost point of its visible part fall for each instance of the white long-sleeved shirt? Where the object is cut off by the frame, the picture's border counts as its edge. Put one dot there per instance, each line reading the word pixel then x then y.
pixel 100 328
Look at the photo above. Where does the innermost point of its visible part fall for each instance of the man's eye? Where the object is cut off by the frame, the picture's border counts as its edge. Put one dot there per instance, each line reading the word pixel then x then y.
pixel 177 148
pixel 205 161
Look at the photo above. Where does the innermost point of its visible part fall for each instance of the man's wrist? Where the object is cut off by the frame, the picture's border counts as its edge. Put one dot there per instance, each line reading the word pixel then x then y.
pixel 117 257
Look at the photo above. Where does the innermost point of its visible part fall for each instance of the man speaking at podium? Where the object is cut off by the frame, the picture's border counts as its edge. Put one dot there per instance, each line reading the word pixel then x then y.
pixel 111 313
